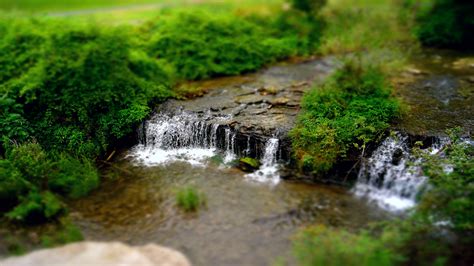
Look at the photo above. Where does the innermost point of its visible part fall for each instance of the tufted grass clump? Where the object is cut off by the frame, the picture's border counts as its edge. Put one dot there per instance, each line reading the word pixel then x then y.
pixel 190 199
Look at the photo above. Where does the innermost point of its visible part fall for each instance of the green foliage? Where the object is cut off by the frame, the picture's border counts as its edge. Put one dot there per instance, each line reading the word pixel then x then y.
pixel 37 208
pixel 80 87
pixel 29 175
pixel 66 232
pixel 73 178
pixel 452 197
pixel 189 199
pixel 248 164
pixel 350 110
pixel 310 6
pixel 323 246
pixel 202 45
pixel 448 23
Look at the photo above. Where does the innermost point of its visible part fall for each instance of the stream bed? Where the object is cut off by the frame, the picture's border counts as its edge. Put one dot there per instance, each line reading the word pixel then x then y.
pixel 244 223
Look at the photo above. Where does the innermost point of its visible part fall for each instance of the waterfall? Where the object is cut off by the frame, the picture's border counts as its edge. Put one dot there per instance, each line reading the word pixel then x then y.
pixel 390 177
pixel 268 172
pixel 181 137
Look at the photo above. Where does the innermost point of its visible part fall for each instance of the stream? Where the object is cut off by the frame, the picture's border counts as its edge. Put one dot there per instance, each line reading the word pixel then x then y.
pixel 250 219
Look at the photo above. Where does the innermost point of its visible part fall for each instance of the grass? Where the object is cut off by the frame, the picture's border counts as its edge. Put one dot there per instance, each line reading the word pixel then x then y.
pixel 364 25
pixel 190 199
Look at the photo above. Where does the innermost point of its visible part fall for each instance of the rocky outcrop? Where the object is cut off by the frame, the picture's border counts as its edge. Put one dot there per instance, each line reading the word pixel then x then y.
pixel 104 254
pixel 254 107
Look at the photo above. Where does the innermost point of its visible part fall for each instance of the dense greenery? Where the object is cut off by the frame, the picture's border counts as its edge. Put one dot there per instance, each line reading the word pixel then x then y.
pixel 319 245
pixel 70 90
pixel 451 173
pixel 28 175
pixel 447 206
pixel 449 23
pixel 201 45
pixel 350 110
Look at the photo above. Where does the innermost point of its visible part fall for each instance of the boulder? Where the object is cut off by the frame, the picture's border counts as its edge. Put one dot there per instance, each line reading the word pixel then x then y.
pixel 248 164
pixel 95 253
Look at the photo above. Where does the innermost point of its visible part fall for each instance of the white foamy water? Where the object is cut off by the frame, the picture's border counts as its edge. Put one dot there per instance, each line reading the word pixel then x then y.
pixel 155 156
pixel 390 177
pixel 184 137
pixel 268 172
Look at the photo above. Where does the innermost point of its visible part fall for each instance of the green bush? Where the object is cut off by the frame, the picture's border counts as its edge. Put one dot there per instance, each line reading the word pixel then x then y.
pixel 189 199
pixel 448 23
pixel 73 178
pixel 201 45
pixel 37 208
pixel 451 198
pixel 323 246
pixel 29 175
pixel 350 110
pixel 81 87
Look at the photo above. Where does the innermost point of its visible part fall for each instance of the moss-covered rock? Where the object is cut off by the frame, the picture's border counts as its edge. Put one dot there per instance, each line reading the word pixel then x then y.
pixel 248 164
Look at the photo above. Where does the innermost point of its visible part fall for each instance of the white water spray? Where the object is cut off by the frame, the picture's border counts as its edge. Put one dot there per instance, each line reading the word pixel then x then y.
pixel 268 172
pixel 390 177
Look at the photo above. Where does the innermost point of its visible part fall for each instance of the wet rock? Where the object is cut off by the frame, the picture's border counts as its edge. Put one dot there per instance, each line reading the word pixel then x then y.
pixel 248 164
pixel 279 101
pixel 415 71
pixel 249 99
pixel 94 253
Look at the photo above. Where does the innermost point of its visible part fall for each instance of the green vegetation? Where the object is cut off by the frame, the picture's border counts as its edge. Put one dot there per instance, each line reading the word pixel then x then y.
pixel 448 207
pixel 452 198
pixel 249 164
pixel 219 45
pixel 28 175
pixel 369 26
pixel 319 245
pixel 352 109
pixel 189 199
pixel 69 90
pixel 448 23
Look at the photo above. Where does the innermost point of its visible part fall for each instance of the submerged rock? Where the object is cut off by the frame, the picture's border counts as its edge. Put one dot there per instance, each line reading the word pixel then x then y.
pixel 94 253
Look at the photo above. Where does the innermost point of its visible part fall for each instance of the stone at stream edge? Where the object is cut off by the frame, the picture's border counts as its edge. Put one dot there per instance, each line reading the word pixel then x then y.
pixel 248 164
pixel 94 253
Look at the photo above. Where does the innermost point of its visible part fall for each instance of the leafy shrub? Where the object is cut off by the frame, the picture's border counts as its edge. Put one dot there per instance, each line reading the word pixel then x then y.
pixel 29 175
pixel 189 199
pixel 64 233
pixel 350 110
pixel 319 245
pixel 37 208
pixel 73 178
pixel 451 198
pixel 81 87
pixel 448 23
pixel 201 45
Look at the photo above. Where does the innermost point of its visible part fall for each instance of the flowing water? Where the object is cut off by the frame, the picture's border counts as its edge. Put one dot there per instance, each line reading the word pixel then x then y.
pixel 249 218
pixel 390 177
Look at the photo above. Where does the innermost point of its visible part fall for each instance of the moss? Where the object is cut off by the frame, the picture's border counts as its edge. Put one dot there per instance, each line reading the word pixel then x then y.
pixel 249 164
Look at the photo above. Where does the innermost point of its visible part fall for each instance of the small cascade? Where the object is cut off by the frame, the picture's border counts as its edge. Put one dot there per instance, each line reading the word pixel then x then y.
pixel 268 172
pixel 182 137
pixel 389 177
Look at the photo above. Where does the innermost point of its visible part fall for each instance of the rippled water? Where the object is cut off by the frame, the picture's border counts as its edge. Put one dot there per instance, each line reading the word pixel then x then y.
pixel 244 223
